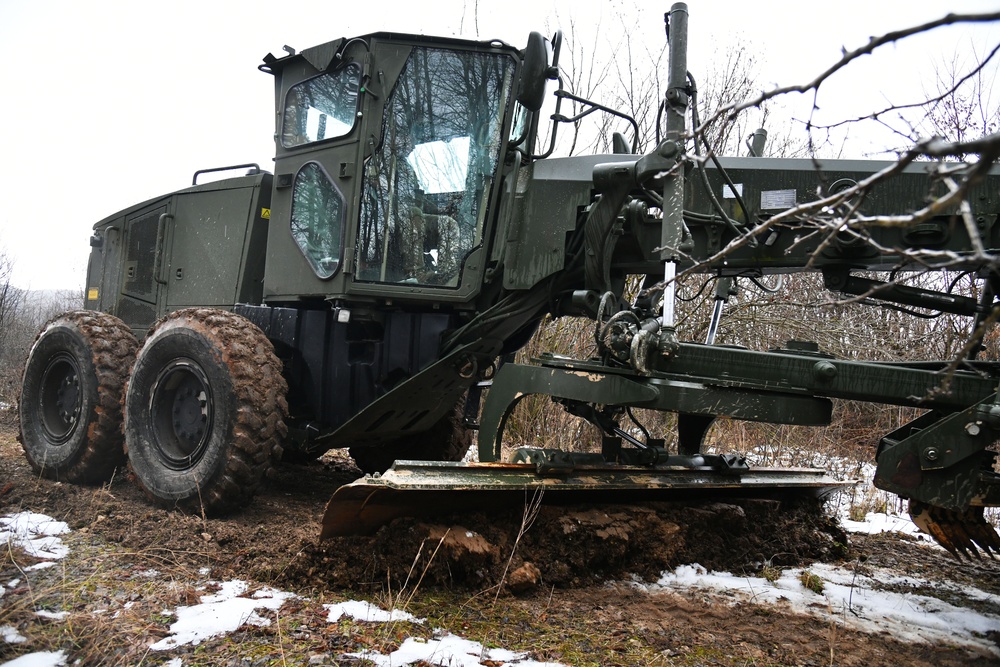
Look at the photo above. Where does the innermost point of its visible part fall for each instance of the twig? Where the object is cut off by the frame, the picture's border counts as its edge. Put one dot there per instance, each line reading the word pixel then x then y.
pixel 528 517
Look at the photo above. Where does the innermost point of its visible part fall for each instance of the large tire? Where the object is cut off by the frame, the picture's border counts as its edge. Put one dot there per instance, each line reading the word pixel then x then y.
pixel 205 411
pixel 70 408
pixel 447 440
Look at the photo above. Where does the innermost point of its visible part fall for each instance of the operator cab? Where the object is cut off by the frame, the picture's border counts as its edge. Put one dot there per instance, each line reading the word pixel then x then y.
pixel 390 154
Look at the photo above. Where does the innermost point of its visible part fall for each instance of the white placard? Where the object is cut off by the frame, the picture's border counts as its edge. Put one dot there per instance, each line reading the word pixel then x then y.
pixel 777 199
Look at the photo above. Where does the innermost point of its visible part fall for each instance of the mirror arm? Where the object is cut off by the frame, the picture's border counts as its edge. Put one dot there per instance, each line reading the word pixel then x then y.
pixel 555 121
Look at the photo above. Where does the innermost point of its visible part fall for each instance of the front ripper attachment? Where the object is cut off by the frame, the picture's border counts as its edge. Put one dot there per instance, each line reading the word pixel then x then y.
pixel 960 532
pixel 423 488
pixel 940 462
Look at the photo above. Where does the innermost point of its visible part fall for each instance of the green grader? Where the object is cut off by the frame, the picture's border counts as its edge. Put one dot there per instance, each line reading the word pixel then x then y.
pixel 413 234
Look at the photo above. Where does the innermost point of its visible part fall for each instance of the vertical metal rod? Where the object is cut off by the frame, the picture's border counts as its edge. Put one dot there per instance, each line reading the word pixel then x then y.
pixel 672 232
pixel 723 291
pixel 677 81
pixel 669 291
pixel 713 325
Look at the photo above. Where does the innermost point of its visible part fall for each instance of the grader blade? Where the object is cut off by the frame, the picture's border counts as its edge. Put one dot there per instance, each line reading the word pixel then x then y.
pixel 424 488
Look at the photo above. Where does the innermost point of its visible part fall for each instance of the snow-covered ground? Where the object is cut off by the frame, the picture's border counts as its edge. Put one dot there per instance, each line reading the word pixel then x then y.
pixel 856 601
pixel 38 535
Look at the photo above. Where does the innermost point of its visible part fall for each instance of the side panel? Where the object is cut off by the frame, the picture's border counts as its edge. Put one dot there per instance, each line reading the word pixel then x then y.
pixel 104 268
pixel 550 194
pixel 202 246
pixel 208 246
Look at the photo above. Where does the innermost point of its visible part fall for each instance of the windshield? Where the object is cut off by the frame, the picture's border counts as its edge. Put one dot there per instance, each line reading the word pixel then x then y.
pixel 427 185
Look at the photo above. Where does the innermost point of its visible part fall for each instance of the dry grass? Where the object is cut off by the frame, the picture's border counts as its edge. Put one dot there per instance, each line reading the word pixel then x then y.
pixel 114 604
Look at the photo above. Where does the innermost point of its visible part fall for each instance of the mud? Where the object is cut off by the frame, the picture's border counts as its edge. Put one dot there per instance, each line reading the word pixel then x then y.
pixel 556 563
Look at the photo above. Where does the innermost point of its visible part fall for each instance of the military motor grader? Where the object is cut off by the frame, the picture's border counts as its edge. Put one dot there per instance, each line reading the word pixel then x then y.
pixel 414 233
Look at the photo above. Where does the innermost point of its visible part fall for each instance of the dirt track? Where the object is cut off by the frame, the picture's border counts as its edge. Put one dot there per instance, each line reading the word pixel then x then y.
pixel 573 553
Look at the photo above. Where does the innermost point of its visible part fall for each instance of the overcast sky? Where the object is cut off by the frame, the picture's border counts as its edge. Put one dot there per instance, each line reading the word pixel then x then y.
pixel 107 103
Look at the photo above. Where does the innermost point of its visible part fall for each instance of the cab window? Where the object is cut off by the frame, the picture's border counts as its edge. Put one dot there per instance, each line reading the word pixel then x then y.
pixel 318 219
pixel 323 107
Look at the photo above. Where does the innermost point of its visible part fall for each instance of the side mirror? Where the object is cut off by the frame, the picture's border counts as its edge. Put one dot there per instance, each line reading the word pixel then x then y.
pixel 534 73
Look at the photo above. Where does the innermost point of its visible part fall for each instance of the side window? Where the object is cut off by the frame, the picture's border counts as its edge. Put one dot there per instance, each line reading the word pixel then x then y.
pixel 323 107
pixel 427 185
pixel 318 219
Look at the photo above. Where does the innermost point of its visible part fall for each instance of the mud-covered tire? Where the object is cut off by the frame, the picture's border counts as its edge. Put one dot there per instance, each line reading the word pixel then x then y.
pixel 447 440
pixel 70 407
pixel 205 411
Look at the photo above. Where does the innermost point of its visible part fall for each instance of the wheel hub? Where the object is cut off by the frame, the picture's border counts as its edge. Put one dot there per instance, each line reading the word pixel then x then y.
pixel 61 399
pixel 181 410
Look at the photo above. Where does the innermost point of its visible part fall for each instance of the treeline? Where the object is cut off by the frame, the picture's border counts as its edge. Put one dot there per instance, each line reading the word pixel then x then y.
pixel 22 315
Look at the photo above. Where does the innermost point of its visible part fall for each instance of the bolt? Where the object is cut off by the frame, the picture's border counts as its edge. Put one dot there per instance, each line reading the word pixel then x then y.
pixel 667 149
pixel 824 370
pixel 972 428
pixel 932 454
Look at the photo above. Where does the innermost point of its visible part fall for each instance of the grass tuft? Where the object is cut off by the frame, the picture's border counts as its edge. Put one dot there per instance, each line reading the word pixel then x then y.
pixel 812 582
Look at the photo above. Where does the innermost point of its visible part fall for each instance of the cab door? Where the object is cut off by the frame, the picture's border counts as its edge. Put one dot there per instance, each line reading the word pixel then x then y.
pixel 430 185
pixel 315 184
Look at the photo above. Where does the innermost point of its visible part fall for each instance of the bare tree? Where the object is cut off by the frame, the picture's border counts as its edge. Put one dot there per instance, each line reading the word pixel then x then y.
pixel 11 306
pixel 731 81
pixel 833 214
pixel 964 107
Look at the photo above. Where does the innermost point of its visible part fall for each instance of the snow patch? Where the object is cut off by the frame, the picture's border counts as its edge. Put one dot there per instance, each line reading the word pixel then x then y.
pixel 879 522
pixel 44 565
pixel 42 659
pixel 52 615
pixel 221 613
pixel 366 611
pixel 35 533
pixel 11 636
pixel 855 601
pixel 450 650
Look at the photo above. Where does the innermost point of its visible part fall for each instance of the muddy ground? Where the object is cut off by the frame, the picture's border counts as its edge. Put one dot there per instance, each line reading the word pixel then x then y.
pixel 555 572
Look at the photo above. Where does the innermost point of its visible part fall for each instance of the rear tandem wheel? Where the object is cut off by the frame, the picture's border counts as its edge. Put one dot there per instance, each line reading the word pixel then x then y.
pixel 204 411
pixel 70 408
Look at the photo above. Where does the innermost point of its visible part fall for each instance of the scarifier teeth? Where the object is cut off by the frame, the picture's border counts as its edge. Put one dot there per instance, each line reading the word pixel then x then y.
pixel 962 533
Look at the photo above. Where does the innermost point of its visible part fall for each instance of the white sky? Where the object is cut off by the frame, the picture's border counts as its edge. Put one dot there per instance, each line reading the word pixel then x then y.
pixel 107 103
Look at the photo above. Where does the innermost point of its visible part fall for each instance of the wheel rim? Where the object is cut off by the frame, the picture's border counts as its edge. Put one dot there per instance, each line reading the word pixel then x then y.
pixel 60 398
pixel 180 407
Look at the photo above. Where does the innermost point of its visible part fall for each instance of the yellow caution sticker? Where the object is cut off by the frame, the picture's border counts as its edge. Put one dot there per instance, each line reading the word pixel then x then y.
pixel 265 213
pixel 92 294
